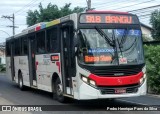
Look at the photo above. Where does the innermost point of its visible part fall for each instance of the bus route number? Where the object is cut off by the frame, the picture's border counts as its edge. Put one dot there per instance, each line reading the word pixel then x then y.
pixel 93 19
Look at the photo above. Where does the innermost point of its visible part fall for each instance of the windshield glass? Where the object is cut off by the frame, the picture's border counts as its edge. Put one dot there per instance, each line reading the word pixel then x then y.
pixel 95 48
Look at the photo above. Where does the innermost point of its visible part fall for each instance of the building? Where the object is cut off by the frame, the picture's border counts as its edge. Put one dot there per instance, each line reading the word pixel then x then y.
pixel 146 32
pixel 2 54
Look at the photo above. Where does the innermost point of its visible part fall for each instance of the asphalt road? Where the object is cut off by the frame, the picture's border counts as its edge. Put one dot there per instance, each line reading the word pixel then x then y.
pixel 11 95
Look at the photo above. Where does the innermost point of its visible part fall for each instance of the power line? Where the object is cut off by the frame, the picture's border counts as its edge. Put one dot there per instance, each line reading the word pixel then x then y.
pixel 15 24
pixel 109 3
pixel 21 9
pixel 145 8
pixel 112 5
pixel 142 12
pixel 134 4
pixel 31 7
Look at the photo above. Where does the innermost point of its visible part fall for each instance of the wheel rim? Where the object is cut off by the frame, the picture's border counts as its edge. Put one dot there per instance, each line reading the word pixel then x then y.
pixel 59 89
pixel 20 83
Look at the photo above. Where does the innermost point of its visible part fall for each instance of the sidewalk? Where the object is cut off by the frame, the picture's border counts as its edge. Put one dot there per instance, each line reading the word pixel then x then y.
pixel 153 95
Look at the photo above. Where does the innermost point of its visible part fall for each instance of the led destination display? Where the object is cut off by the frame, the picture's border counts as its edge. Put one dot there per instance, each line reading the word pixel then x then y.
pixel 108 18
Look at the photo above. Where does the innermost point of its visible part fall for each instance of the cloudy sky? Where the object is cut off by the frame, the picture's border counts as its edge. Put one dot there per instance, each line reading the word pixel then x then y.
pixel 20 7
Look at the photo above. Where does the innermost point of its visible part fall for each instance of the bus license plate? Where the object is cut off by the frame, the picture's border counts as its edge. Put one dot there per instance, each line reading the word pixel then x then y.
pixel 120 91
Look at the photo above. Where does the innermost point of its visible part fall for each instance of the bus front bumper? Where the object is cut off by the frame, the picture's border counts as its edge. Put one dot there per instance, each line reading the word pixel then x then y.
pixel 87 92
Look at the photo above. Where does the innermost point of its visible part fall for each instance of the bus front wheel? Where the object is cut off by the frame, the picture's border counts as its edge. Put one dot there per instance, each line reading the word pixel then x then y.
pixel 59 92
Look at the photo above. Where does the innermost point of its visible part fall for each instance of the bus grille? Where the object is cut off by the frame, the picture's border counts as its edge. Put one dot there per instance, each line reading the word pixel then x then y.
pixel 123 71
pixel 133 89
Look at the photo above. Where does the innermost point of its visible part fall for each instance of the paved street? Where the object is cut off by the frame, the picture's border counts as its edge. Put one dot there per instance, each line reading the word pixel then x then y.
pixel 11 95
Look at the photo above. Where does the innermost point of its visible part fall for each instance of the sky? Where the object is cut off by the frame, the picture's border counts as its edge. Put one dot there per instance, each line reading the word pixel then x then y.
pixel 20 8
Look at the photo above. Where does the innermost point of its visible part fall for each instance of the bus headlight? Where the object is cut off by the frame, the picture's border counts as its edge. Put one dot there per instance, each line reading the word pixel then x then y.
pixel 85 79
pixel 144 75
pixel 144 69
pixel 88 81
pixel 91 82
pixel 142 79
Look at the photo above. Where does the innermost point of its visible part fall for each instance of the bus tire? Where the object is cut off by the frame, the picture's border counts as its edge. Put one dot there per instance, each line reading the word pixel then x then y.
pixel 59 92
pixel 20 81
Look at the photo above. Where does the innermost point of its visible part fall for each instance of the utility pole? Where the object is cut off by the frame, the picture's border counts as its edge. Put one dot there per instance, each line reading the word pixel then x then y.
pixel 89 5
pixel 11 18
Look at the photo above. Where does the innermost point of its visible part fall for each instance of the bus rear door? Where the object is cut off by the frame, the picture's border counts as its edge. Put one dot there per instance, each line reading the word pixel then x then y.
pixel 31 58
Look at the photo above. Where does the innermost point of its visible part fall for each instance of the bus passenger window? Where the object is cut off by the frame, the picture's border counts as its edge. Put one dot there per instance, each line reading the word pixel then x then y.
pixel 52 42
pixel 24 46
pixel 18 47
pixel 40 42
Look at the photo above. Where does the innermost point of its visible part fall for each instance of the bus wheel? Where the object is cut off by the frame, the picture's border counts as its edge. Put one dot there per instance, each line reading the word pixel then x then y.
pixel 20 81
pixel 59 92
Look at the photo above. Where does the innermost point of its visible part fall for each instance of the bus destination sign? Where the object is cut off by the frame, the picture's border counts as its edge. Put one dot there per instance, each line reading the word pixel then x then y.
pixel 108 19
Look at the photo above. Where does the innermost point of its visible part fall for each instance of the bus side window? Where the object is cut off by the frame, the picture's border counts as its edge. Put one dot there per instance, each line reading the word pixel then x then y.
pixel 40 36
pixel 52 40
pixel 17 47
pixel 24 46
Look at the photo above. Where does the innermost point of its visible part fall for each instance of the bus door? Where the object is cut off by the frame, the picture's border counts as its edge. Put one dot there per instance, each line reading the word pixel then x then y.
pixel 12 61
pixel 68 67
pixel 31 60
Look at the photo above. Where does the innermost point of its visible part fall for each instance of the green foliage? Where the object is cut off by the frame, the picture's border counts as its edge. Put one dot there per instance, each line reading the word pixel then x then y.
pixel 155 22
pixel 152 55
pixel 2 68
pixel 49 13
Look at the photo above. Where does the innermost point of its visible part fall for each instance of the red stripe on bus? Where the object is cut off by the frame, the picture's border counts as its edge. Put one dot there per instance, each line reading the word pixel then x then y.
pixel 36 64
pixel 116 81
pixel 59 66
pixel 38 28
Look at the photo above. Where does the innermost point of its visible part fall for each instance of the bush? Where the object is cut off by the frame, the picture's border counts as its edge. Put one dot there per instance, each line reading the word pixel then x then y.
pixel 2 68
pixel 152 56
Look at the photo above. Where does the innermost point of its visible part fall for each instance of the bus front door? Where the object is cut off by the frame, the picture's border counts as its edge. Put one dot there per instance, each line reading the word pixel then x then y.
pixel 68 69
pixel 31 60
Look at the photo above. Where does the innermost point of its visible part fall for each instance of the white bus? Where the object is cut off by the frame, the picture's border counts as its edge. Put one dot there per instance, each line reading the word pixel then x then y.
pixel 92 55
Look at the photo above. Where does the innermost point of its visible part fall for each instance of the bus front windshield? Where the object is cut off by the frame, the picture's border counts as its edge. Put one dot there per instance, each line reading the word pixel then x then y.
pixel 110 47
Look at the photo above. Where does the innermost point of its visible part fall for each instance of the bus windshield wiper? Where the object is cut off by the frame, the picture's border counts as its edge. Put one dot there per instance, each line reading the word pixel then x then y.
pixel 105 36
pixel 120 43
pixel 123 38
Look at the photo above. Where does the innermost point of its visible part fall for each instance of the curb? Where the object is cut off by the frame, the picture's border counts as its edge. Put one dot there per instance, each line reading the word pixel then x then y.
pixel 153 95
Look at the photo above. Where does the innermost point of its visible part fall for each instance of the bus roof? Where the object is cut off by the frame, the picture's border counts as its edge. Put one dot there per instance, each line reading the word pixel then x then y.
pixel 43 25
pixel 113 12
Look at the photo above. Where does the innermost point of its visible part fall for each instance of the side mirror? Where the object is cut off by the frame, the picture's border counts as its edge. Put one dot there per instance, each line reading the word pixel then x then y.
pixel 75 45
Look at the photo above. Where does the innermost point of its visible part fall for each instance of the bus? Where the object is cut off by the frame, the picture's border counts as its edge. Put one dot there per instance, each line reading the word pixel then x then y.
pixel 91 55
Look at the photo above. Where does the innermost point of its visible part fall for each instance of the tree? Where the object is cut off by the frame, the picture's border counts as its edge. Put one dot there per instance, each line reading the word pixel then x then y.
pixel 49 13
pixel 155 22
